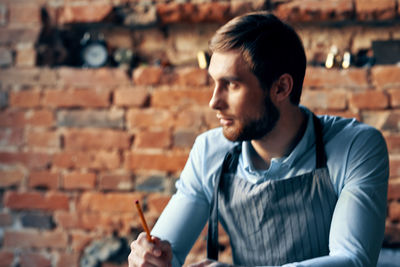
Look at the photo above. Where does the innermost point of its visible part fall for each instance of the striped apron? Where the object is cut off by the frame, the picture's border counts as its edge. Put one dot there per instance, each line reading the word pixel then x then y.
pixel 277 221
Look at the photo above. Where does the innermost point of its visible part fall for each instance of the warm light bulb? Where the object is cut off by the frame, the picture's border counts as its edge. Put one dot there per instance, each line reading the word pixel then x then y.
pixel 202 60
pixel 346 60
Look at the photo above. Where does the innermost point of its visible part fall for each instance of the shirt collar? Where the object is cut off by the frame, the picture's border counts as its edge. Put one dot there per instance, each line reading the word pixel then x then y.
pixel 306 141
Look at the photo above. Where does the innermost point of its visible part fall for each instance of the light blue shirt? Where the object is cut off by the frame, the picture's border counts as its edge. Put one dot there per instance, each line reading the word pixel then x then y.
pixel 357 160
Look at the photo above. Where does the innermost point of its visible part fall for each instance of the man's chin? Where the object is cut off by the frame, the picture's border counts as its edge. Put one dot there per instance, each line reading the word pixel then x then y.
pixel 231 134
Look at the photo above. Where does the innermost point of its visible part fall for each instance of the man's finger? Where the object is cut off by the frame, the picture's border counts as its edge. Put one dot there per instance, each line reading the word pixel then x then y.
pixel 202 263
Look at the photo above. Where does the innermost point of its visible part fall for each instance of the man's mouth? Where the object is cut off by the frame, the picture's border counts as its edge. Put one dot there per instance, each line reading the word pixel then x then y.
pixel 225 120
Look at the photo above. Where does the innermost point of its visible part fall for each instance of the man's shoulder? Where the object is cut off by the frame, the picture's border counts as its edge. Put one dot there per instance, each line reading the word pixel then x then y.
pixel 346 129
pixel 355 151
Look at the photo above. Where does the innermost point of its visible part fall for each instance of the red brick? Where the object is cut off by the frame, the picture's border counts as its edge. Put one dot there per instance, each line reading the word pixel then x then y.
pixel 11 178
pixel 192 76
pixel 131 97
pixel 99 160
pixel 36 201
pixel 45 139
pixel 394 211
pixel 345 114
pixel 375 9
pixel 174 12
pixel 5 220
pixel 328 100
pixel 35 239
pixel 16 37
pixel 11 136
pixel 193 13
pixel 315 10
pixel 385 120
pixel 393 143
pixel 96 139
pixel 25 57
pixel 93 78
pixel 15 118
pixel 163 162
pixel 193 118
pixel 12 118
pixel 29 159
pixel 42 117
pixel 77 180
pixel 211 12
pixel 394 166
pixel 392 233
pixel 153 139
pixel 81 13
pixel 394 97
pixel 333 78
pixel 210 118
pixel 385 76
pixel 146 118
pixel 105 222
pixel 34 259
pixel 3 14
pixel 25 99
pixel 184 138
pixel 115 182
pixel 108 202
pixel 181 97
pixel 19 76
pixel 67 260
pixel 6 258
pixel 88 98
pixel 394 189
pixel 102 160
pixel 398 9
pixel 47 77
pixel 27 14
pixel 157 202
pixel 147 75
pixel 79 240
pixel 91 118
pixel 43 179
pixel 129 221
pixel 369 100
pixel 66 220
pixel 238 7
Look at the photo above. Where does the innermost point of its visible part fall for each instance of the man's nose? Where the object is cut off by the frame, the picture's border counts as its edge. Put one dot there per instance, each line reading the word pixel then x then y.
pixel 218 99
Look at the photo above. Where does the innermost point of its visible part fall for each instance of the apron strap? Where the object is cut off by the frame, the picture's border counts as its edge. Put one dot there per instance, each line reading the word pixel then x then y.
pixel 320 156
pixel 229 164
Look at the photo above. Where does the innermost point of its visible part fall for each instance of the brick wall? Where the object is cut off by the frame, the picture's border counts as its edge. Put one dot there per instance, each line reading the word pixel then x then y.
pixel 78 146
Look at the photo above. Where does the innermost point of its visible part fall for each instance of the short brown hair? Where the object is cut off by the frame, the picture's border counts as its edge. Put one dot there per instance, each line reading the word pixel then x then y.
pixel 269 46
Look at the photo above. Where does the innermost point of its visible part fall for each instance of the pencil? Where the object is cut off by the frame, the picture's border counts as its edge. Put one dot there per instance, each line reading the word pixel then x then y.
pixel 144 224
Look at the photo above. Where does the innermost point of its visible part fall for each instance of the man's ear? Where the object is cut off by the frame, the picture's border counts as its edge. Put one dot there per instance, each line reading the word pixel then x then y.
pixel 282 87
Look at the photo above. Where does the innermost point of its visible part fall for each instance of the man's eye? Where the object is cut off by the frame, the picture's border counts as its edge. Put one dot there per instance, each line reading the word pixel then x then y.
pixel 232 85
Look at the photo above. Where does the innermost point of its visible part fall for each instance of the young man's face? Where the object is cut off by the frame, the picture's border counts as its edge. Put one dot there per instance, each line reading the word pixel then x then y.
pixel 244 109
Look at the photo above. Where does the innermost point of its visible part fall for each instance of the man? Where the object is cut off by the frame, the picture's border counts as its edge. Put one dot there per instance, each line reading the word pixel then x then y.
pixel 290 188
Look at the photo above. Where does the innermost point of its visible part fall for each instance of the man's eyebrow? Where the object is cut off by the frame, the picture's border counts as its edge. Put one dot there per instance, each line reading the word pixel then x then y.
pixel 231 78
pixel 228 78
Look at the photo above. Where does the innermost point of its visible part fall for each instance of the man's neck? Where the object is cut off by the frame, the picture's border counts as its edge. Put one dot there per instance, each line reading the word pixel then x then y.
pixel 281 140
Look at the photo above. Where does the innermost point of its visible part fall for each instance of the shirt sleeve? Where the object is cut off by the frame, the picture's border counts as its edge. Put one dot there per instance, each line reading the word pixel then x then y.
pixel 187 212
pixel 358 221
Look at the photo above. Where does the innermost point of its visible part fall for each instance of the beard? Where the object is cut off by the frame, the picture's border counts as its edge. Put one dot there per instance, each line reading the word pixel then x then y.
pixel 253 129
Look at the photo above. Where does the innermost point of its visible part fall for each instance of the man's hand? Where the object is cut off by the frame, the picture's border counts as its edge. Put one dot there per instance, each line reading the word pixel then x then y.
pixel 157 253
pixel 210 263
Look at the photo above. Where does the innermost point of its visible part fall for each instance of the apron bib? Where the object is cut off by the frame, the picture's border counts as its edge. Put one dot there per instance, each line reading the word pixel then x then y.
pixel 277 221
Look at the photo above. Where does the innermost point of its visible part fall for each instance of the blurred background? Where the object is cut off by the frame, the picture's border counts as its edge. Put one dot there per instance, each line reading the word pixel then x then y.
pixel 101 100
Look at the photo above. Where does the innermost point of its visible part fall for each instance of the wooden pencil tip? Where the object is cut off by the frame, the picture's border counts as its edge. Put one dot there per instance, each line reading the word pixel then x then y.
pixel 137 201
